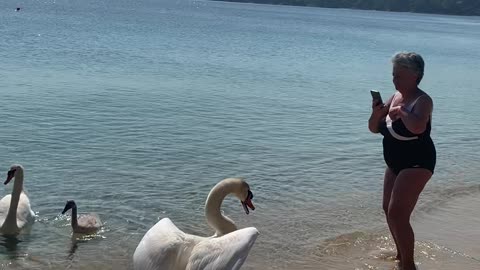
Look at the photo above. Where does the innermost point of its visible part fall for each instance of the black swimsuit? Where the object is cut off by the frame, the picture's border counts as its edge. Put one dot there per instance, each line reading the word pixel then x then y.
pixel 403 149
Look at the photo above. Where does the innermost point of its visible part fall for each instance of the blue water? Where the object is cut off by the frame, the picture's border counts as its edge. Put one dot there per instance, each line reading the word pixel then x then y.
pixel 135 109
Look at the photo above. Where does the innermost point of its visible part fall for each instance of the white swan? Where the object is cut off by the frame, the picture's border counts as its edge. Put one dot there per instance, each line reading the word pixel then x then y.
pixel 166 247
pixel 84 224
pixel 15 211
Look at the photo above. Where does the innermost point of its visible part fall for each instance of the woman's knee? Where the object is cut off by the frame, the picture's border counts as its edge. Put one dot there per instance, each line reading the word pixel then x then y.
pixel 397 213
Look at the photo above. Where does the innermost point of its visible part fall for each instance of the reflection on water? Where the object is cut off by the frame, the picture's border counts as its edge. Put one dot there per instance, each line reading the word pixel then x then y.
pixel 72 249
pixel 80 239
pixel 9 247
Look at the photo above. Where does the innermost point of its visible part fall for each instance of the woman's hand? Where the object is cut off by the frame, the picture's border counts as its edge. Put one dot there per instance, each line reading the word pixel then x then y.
pixel 379 111
pixel 397 112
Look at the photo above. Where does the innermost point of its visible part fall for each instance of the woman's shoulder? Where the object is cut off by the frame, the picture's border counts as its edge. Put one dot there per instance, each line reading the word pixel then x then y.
pixel 424 97
pixel 424 101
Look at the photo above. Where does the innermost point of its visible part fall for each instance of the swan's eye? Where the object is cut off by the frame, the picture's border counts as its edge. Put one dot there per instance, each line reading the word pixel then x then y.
pixel 11 173
pixel 249 195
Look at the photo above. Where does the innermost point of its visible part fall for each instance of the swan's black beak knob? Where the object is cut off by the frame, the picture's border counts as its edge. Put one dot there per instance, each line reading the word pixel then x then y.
pixel 248 203
pixel 10 176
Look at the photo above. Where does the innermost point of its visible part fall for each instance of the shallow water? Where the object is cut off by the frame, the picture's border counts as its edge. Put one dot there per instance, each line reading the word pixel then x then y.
pixel 136 110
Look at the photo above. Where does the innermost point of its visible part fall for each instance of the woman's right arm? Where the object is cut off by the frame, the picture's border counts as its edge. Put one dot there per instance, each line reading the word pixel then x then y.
pixel 379 111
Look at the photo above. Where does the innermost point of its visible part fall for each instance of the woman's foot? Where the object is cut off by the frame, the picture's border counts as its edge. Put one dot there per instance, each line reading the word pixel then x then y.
pixel 398 265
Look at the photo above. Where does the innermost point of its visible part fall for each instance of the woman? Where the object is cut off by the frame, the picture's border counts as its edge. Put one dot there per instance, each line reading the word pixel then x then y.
pixel 409 152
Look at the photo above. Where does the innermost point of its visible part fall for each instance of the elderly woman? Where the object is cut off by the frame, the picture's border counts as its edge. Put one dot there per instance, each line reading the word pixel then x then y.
pixel 405 123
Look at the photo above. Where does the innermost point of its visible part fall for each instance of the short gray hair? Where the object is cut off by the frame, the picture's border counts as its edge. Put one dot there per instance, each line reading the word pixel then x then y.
pixel 412 61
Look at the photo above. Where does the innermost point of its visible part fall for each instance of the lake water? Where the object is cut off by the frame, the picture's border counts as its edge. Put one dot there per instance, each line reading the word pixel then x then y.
pixel 135 109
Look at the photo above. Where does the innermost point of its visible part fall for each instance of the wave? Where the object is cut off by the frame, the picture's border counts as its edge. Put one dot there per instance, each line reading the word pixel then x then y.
pixel 437 197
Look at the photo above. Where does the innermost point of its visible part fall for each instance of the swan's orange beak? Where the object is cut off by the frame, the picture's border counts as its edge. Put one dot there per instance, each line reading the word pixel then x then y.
pixel 10 176
pixel 248 203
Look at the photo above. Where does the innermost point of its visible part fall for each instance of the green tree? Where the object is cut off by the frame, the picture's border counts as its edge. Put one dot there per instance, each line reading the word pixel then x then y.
pixel 459 7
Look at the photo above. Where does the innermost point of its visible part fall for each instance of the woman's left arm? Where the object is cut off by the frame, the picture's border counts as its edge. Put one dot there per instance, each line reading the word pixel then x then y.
pixel 416 120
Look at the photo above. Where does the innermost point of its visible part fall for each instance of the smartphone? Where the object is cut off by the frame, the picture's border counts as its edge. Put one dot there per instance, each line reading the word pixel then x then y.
pixel 376 96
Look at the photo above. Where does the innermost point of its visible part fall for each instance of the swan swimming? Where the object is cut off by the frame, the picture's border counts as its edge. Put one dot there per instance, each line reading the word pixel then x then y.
pixel 166 247
pixel 15 211
pixel 84 224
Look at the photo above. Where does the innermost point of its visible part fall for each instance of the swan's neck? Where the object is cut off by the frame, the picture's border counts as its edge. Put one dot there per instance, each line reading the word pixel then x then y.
pixel 11 219
pixel 74 217
pixel 215 219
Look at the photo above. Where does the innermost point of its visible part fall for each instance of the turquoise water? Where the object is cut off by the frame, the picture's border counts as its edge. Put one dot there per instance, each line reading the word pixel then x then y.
pixel 136 109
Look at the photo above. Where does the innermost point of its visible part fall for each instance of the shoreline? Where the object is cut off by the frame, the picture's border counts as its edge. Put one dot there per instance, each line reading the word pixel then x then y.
pixel 445 239
pixel 347 8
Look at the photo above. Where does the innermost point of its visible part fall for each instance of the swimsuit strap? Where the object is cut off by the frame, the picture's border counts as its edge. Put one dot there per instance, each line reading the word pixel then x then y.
pixel 411 105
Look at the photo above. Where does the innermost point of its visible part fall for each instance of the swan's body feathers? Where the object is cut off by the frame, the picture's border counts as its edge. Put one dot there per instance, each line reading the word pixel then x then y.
pixel 226 252
pixel 88 223
pixel 25 215
pixel 165 246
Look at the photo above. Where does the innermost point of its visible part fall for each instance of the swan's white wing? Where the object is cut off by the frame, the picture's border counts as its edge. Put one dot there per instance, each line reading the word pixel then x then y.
pixel 4 206
pixel 227 252
pixel 25 214
pixel 164 246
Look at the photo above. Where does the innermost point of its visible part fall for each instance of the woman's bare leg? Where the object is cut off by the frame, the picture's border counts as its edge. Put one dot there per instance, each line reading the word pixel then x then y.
pixel 406 190
pixel 388 182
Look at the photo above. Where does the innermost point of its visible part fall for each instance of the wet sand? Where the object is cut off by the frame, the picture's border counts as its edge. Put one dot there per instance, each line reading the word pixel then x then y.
pixel 447 237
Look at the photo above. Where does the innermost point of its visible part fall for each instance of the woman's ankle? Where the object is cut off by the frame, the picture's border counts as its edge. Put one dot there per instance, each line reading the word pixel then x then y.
pixel 408 266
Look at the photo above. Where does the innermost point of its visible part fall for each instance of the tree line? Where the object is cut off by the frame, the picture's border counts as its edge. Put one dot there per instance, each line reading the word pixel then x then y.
pixel 453 7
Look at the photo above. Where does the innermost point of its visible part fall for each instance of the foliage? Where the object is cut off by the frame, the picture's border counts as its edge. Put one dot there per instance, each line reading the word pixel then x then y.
pixel 457 7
